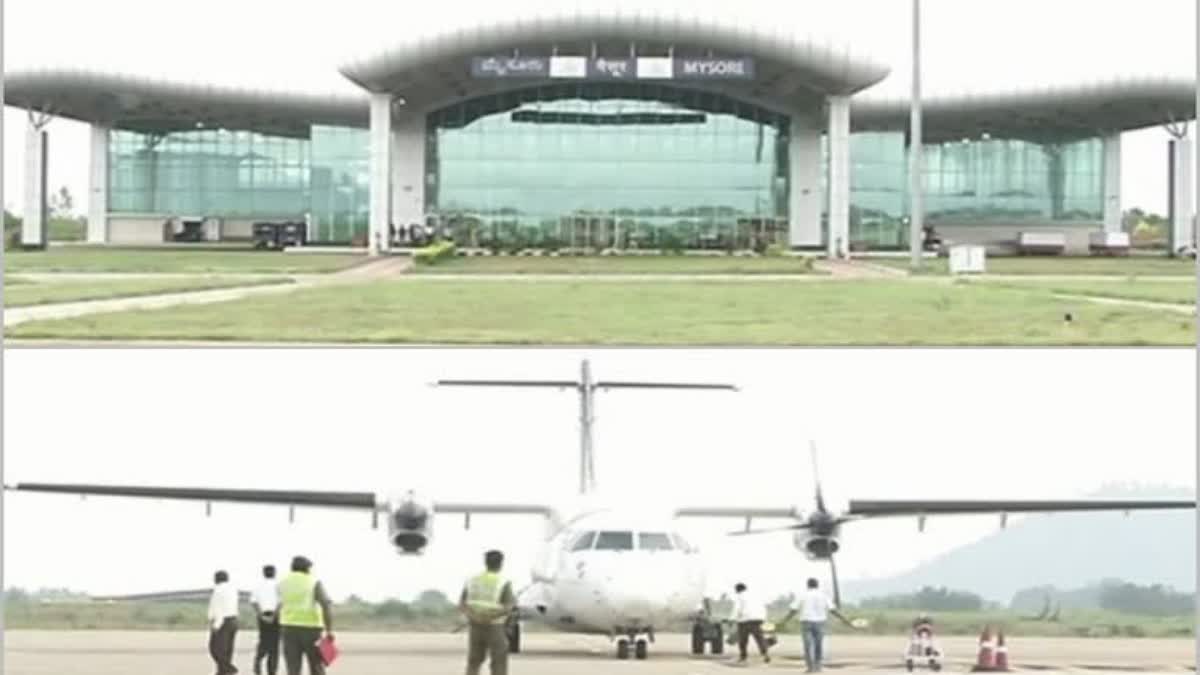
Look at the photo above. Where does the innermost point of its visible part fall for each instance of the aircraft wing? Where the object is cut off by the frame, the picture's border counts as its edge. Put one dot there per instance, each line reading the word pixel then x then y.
pixel 736 512
pixel 879 508
pixel 350 500
pixel 345 500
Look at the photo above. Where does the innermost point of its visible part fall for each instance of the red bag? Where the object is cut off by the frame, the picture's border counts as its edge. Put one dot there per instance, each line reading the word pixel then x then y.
pixel 328 650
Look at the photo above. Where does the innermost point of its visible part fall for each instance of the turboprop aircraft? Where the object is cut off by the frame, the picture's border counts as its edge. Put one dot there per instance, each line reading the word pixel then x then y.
pixel 607 566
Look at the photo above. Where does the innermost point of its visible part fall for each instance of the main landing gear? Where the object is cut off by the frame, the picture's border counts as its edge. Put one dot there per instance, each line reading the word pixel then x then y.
pixel 639 643
pixel 708 633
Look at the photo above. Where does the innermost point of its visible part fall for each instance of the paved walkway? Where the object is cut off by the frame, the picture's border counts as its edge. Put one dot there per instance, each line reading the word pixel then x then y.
pixel 375 269
pixel 857 269
pixel 1178 308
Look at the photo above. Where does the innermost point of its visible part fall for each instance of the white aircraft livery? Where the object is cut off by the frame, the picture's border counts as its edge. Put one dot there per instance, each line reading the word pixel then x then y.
pixel 606 567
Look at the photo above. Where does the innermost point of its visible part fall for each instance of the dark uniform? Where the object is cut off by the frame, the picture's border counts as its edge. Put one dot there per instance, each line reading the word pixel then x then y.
pixel 487 595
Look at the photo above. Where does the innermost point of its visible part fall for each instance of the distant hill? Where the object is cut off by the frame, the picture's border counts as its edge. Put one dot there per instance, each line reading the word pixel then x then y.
pixel 1068 551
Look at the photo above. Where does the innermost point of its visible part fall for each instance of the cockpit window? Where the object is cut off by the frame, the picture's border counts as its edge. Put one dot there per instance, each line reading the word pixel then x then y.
pixel 681 543
pixel 654 541
pixel 614 541
pixel 584 542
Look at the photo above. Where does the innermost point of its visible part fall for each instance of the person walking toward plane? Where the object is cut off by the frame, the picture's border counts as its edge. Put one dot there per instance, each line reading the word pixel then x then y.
pixel 813 606
pixel 749 613
pixel 304 609
pixel 222 623
pixel 266 607
pixel 487 601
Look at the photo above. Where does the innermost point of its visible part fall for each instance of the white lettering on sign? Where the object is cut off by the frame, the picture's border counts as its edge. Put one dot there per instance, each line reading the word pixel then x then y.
pixel 710 68
pixel 612 68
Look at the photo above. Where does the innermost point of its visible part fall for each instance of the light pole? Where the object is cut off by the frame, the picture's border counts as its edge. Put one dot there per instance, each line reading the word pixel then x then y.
pixel 1195 240
pixel 915 183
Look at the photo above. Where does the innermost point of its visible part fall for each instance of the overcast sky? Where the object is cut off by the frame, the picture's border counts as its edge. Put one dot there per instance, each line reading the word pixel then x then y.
pixel 890 424
pixel 977 45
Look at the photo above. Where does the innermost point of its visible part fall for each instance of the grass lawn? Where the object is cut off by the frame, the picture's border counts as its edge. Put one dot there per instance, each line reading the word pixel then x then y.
pixel 1181 292
pixel 1130 266
pixel 26 293
pixel 71 259
pixel 641 313
pixel 618 265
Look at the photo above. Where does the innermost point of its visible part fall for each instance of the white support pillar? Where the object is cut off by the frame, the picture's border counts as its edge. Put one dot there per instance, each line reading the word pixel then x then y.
pixel 804 190
pixel 1112 182
pixel 37 208
pixel 1181 193
pixel 839 176
pixel 381 172
pixel 408 169
pixel 97 221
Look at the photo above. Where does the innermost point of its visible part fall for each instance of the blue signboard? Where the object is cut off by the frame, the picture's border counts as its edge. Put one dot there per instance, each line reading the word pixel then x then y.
pixel 541 67
pixel 612 69
pixel 510 67
pixel 714 69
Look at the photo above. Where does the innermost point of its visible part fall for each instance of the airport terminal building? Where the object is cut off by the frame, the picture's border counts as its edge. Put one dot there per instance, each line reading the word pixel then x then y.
pixel 609 131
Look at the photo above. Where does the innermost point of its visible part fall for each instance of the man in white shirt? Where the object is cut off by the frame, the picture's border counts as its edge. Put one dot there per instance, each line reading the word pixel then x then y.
pixel 266 607
pixel 222 623
pixel 749 613
pixel 813 606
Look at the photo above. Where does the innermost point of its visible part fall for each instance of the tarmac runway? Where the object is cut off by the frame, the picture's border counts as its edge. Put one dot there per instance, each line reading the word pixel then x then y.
pixel 155 653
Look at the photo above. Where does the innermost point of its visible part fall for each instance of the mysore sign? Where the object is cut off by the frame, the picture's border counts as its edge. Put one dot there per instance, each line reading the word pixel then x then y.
pixel 583 68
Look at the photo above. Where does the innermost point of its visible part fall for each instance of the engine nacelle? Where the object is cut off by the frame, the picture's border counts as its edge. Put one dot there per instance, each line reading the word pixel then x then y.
pixel 410 523
pixel 815 547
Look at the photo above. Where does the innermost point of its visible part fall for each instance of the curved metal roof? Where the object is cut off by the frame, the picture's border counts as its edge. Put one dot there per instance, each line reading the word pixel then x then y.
pixel 1062 111
pixel 155 105
pixel 790 67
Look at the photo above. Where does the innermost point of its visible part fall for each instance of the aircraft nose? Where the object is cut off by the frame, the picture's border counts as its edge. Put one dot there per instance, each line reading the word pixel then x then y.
pixel 638 598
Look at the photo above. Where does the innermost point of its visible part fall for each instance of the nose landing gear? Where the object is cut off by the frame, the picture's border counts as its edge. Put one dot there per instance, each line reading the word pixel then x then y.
pixel 640 645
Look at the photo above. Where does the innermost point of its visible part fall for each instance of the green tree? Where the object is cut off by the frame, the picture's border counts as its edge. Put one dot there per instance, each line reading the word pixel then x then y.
pixel 62 203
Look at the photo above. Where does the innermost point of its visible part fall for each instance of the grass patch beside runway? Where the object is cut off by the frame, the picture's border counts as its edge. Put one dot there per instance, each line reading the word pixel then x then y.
pixel 647 264
pixel 148 260
pixel 698 313
pixel 1072 265
pixel 26 294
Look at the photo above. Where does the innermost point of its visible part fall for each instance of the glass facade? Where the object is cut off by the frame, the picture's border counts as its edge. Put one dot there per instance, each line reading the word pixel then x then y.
pixel 208 171
pixel 569 165
pixel 340 183
pixel 579 163
pixel 1007 180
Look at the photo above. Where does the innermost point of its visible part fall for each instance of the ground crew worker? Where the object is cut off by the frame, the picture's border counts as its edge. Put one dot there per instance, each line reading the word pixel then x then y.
pixel 222 623
pixel 266 607
pixel 814 606
pixel 304 609
pixel 487 601
pixel 749 613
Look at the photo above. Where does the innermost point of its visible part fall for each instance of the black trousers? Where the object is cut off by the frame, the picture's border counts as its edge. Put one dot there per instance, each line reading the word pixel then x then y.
pixel 746 629
pixel 268 645
pixel 299 644
pixel 220 645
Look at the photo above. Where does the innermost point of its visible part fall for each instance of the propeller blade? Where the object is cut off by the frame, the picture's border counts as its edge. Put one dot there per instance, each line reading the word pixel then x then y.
pixel 837 591
pixel 812 445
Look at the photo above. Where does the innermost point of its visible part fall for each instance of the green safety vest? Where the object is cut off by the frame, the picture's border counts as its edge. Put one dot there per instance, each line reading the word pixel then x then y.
pixel 484 592
pixel 298 601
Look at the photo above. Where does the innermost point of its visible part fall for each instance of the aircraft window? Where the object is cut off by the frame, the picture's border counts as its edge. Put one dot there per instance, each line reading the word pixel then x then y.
pixel 654 541
pixel 614 541
pixel 584 542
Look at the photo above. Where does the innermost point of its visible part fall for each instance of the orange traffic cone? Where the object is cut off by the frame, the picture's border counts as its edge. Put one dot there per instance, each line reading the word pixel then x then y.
pixel 987 655
pixel 1001 652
